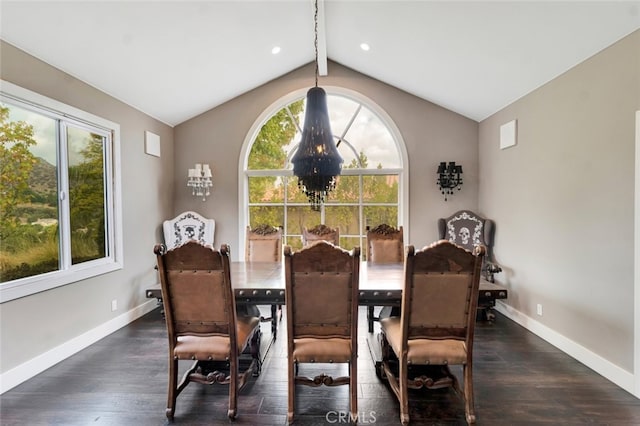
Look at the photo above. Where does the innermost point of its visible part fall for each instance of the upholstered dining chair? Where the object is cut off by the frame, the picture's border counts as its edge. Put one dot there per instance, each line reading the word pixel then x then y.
pixel 188 226
pixel 321 291
pixel 202 324
pixel 437 323
pixel 468 229
pixel 385 244
pixel 320 233
pixel 264 244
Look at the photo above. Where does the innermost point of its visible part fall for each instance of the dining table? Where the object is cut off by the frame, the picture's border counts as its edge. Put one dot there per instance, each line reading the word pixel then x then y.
pixel 263 283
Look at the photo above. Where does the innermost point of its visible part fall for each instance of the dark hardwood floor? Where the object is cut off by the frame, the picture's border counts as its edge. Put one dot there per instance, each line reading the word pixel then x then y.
pixel 121 380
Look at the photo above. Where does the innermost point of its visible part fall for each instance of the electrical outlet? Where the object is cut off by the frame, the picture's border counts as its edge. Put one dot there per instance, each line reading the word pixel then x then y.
pixel 114 305
pixel 539 309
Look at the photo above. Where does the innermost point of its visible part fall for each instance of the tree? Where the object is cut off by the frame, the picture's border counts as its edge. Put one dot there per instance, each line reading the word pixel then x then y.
pixel 86 200
pixel 267 153
pixel 16 163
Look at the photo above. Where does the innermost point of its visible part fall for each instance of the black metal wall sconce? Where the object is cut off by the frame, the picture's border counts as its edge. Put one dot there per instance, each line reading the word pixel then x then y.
pixel 449 178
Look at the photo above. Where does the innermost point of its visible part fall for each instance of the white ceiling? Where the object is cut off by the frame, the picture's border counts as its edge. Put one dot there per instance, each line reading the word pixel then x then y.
pixel 176 59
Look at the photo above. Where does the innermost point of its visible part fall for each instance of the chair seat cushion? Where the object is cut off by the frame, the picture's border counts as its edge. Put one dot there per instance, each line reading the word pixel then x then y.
pixel 424 351
pixel 215 348
pixel 322 350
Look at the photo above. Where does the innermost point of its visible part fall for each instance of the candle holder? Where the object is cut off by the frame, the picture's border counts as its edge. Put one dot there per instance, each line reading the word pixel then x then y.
pixel 449 178
pixel 200 181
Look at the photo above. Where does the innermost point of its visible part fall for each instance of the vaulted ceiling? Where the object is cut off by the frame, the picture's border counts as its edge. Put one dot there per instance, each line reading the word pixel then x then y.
pixel 176 59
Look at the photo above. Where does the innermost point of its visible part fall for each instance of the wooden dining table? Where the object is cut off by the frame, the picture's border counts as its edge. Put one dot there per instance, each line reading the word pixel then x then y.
pixel 262 283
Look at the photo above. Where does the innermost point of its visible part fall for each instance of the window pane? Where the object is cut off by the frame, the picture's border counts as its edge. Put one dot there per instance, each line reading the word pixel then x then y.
pixel 86 194
pixel 267 151
pixel 28 194
pixel 294 194
pixel 266 215
pixel 348 243
pixel 347 190
pixel 376 215
pixel 295 241
pixel 341 110
pixel 299 217
pixel 380 189
pixel 343 217
pixel 369 135
pixel 266 189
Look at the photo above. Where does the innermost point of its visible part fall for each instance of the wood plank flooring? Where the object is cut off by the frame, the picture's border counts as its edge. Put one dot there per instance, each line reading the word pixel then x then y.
pixel 121 380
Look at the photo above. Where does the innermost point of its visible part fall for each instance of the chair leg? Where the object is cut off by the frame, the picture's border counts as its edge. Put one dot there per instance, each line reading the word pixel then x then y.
pixel 469 406
pixel 353 389
pixel 291 385
pixel 274 319
pixel 233 388
pixel 172 394
pixel 255 352
pixel 404 392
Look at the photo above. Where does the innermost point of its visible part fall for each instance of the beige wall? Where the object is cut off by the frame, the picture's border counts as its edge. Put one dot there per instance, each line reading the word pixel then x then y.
pixel 563 201
pixel 431 134
pixel 33 325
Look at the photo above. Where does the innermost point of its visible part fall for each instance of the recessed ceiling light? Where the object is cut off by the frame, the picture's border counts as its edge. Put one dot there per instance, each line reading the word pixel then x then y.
pixel 365 47
pixel 275 50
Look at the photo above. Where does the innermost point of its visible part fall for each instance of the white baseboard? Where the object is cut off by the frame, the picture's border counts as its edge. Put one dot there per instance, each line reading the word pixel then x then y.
pixel 37 365
pixel 605 368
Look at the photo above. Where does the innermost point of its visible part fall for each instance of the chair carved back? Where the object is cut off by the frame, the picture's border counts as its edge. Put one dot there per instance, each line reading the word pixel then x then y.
pixel 196 289
pixel 322 291
pixel 320 233
pixel 385 244
pixel 263 244
pixel 188 226
pixel 440 297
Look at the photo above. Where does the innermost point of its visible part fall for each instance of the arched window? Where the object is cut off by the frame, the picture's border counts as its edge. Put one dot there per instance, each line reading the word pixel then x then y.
pixel 371 189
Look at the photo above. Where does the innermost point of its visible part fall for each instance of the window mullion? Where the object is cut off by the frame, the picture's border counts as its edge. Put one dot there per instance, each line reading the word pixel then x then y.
pixel 64 214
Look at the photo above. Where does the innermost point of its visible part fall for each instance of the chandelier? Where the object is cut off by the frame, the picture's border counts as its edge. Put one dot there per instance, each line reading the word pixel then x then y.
pixel 317 161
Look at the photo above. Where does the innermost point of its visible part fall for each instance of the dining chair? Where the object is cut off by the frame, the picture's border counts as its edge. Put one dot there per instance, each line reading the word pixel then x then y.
pixel 263 243
pixel 468 229
pixel 202 325
pixel 188 226
pixel 437 323
pixel 321 293
pixel 320 233
pixel 385 244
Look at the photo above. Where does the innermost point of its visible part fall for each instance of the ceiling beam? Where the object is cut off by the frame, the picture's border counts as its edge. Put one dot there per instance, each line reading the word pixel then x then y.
pixel 322 40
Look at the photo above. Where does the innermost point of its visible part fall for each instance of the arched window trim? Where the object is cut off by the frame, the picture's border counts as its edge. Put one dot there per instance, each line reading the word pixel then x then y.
pixel 244 174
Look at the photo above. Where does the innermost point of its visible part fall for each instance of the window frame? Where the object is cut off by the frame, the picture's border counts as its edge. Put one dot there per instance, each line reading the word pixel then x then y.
pixel 114 258
pixel 244 173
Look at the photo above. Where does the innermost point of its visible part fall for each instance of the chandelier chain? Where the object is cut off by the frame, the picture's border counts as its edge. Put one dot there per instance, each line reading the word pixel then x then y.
pixel 315 41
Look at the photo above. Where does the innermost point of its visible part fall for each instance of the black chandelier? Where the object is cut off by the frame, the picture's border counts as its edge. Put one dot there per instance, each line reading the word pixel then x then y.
pixel 317 161
pixel 449 178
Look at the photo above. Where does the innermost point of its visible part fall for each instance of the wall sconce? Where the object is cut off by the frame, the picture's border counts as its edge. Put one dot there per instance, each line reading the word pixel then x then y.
pixel 200 181
pixel 449 177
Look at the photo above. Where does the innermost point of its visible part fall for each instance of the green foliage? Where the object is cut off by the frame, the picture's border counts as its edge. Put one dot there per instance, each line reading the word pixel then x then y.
pixel 267 151
pixel 86 201
pixel 16 163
